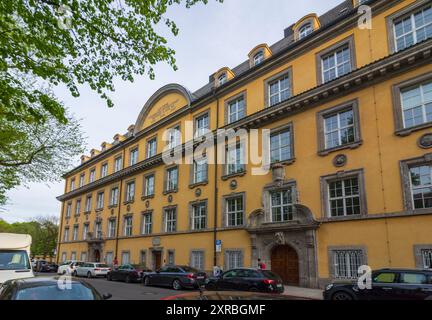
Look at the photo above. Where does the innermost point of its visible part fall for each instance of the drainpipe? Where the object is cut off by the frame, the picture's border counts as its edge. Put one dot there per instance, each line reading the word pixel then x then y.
pixel 119 205
pixel 215 184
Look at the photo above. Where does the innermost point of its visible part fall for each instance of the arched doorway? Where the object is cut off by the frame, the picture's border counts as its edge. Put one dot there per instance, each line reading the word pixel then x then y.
pixel 285 262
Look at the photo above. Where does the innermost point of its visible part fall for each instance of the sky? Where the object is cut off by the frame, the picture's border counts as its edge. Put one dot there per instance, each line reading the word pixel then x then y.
pixel 211 36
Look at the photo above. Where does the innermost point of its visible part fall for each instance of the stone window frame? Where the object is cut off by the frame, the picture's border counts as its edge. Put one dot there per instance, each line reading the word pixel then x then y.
pixel 288 71
pixel 97 221
pixel 98 209
pixel 242 256
pixel 325 206
pixel 85 234
pixel 90 195
pixel 64 234
pixel 121 256
pixel 397 104
pixel 165 186
pixel 64 254
pixel 405 166
pixel 127 183
pixel 168 253
pixel 105 163
pixel 400 14
pixel 143 214
pixel 191 252
pixel 320 118
pixel 93 169
pixel 228 101
pixel 72 185
pixel 108 227
pixel 145 176
pixel 330 256
pixel 267 197
pixel 192 183
pixel 288 126
pixel 118 156
pixel 106 256
pixel 77 214
pixel 199 115
pixel 244 146
pixel 224 212
pixel 418 257
pixel 311 21
pixel 143 253
pixel 73 253
pixel 153 137
pixel 125 216
pixel 164 209
pixel 132 149
pixel 191 214
pixel 81 179
pixel 68 204
pixel 110 205
pixel 325 52
pixel 75 227
pixel 176 125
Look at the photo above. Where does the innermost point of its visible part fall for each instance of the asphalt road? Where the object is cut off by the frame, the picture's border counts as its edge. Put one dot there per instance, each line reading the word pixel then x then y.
pixel 127 291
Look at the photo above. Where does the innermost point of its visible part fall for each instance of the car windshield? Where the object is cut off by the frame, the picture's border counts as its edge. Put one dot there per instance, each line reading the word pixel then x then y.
pixel 101 265
pixel 14 260
pixel 76 291
pixel 189 269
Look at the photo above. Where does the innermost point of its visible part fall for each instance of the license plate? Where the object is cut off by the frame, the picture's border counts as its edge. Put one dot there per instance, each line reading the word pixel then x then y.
pixel 279 285
pixel 200 277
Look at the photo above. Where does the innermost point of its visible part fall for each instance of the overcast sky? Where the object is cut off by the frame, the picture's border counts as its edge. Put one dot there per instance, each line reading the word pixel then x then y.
pixel 210 37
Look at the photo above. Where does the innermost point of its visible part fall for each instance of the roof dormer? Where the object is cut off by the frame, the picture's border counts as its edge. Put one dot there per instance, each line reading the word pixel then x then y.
pixel 358 3
pixel 305 26
pixel 222 76
pixel 258 54
pixel 118 138
pixel 84 158
pixel 131 130
pixel 94 152
pixel 105 146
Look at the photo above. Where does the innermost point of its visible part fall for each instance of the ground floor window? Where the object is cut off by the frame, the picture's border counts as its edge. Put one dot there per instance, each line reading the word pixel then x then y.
pixel 347 263
pixel 171 257
pixel 73 256
pixel 197 260
pixel 84 256
pixel 109 258
pixel 125 257
pixel 63 257
pixel 143 258
pixel 427 258
pixel 233 259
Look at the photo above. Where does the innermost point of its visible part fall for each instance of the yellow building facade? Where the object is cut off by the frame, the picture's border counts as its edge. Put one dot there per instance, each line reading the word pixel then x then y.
pixel 348 113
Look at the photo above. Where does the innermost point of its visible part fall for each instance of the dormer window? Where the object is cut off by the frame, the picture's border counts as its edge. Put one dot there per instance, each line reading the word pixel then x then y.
pixel 222 79
pixel 305 30
pixel 258 58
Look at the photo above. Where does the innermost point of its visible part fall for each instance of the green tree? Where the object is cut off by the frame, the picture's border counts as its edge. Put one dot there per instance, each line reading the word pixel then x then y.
pixel 45 43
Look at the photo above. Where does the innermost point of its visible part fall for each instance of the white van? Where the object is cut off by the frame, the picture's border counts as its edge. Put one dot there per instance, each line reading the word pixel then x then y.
pixel 15 256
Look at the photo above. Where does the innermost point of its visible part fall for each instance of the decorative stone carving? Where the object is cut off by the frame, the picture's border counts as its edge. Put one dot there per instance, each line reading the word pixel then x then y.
pixel 425 141
pixel 340 160
pixel 112 212
pixel 256 218
pixel 128 207
pixel 278 172
pixel 147 204
pixel 233 184
pixel 280 238
pixel 156 242
pixel 198 192
pixel 170 198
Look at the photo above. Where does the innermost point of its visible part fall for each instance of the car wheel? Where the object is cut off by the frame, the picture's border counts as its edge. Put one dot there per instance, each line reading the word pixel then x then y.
pixel 128 279
pixel 253 289
pixel 176 285
pixel 109 277
pixel 89 275
pixel 146 281
pixel 211 286
pixel 342 295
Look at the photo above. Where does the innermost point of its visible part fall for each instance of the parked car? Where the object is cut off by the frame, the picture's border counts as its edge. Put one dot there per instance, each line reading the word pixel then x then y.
pixel 68 267
pixel 91 269
pixel 247 279
pixel 387 284
pixel 45 266
pixel 230 295
pixel 49 288
pixel 177 277
pixel 127 273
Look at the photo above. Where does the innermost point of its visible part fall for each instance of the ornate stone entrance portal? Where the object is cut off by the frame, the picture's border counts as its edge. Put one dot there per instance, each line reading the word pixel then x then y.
pixel 284 261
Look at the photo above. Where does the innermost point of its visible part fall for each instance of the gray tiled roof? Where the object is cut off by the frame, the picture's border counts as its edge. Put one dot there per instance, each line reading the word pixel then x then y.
pixel 326 19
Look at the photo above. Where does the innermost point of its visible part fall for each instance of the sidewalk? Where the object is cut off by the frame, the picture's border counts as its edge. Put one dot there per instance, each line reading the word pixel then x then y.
pixel 315 294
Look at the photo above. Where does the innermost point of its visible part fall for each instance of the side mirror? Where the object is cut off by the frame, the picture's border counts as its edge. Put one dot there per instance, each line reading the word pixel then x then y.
pixel 107 296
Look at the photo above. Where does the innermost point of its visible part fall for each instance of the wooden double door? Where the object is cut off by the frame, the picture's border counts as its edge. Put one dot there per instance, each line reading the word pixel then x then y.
pixel 285 262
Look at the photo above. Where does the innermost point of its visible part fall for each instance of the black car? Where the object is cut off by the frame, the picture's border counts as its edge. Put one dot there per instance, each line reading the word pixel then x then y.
pixel 387 284
pixel 230 295
pixel 176 277
pixel 127 273
pixel 247 279
pixel 49 288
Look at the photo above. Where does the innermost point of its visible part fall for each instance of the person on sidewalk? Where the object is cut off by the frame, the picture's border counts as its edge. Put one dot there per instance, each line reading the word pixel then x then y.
pixel 261 265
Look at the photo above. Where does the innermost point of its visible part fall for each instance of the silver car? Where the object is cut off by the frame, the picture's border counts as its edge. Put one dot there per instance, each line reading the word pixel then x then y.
pixel 91 270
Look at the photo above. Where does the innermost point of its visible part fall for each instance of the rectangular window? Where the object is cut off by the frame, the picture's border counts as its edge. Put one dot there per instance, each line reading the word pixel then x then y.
pixel 84 256
pixel 279 90
pixel 92 175
pixel 104 170
pixel 234 260
pixel 235 162
pixel 236 109
pixel 118 164
pixel 111 228
pixel 68 210
pixel 133 157
pixel 130 191
pixel 280 146
pixel 64 257
pixel 171 179
pixel 98 230
pixel 149 189
pixel 127 232
pixel 281 203
pixel 151 147
pixel 147 224
pixel 417 105
pixel 170 257
pixel 202 125
pixel 197 260
pixel 336 64
pixel 100 201
pixel 427 258
pixel 81 180
pixel 72 185
pixel 125 257
pixel 413 28
pixel 66 235
pixel 199 216
pixel 78 207
pixel 200 170
pixel 114 196
pixel 421 186
pixel 88 205
pixel 75 233
pixel 344 197
pixel 73 256
pixel 109 258
pixel 170 220
pixel 339 129
pixel 174 137
pixel 143 258
pixel 234 211
pixel 347 263
pixel 85 231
